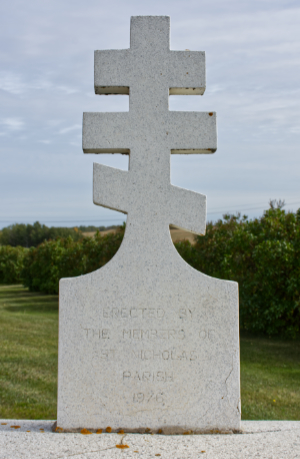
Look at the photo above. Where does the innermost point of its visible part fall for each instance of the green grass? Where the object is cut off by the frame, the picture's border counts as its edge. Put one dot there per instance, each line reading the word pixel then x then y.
pixel 28 354
pixel 270 378
pixel 270 369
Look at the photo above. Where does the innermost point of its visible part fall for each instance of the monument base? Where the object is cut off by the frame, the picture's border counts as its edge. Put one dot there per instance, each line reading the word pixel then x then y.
pixel 147 344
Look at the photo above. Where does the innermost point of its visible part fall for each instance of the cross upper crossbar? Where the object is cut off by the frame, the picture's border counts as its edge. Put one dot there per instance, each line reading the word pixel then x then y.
pixel 149 71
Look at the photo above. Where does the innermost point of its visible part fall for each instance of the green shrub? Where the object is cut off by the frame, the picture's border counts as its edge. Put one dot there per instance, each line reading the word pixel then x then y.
pixel 11 264
pixel 263 256
pixel 33 235
pixel 46 264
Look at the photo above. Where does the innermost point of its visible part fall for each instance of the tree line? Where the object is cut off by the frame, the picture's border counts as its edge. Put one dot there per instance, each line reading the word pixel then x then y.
pixel 262 255
pixel 24 235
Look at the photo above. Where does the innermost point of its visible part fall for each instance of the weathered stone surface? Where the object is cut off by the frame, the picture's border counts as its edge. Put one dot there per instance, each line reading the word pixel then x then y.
pixel 147 342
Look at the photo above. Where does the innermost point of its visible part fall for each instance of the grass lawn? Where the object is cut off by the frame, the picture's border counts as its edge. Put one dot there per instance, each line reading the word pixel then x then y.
pixel 270 369
pixel 28 354
pixel 270 378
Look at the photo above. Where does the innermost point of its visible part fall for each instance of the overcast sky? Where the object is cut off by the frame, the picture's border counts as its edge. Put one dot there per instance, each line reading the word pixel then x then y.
pixel 46 82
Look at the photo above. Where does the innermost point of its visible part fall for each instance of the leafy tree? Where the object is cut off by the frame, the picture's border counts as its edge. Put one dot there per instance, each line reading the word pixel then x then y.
pixel 11 264
pixel 52 260
pixel 33 235
pixel 263 256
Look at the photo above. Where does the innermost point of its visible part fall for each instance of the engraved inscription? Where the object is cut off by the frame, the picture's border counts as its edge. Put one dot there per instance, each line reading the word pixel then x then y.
pixel 185 313
pixel 140 334
pixel 140 397
pixel 107 354
pixel 207 334
pixel 133 313
pixel 149 354
pixel 97 333
pixel 148 376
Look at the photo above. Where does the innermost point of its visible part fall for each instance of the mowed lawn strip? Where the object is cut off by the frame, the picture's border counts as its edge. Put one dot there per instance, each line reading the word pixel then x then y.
pixel 270 378
pixel 28 354
pixel 270 368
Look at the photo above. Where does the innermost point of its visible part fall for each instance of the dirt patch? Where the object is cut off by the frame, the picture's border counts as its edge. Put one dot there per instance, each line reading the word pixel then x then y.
pixel 103 233
pixel 176 234
pixel 180 235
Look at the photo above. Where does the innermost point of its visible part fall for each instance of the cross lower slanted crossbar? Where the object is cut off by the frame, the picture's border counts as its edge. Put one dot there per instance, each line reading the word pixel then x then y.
pixel 149 71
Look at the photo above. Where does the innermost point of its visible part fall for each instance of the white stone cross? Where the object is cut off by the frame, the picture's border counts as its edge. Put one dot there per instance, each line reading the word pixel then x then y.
pixel 149 72
pixel 147 341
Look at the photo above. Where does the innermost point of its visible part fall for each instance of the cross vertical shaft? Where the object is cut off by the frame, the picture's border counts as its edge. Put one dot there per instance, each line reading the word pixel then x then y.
pixel 149 71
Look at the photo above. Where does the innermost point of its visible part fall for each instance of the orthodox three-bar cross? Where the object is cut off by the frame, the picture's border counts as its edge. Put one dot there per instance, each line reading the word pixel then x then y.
pixel 149 72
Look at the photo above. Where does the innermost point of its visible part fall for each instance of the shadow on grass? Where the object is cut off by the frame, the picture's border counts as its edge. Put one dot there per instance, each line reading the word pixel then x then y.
pixel 276 350
pixel 16 299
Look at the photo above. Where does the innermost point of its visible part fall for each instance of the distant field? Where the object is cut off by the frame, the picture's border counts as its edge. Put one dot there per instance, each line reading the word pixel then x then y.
pixel 176 234
pixel 270 369
pixel 103 233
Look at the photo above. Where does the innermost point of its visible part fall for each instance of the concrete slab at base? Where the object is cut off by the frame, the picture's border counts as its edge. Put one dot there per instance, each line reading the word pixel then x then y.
pixel 260 439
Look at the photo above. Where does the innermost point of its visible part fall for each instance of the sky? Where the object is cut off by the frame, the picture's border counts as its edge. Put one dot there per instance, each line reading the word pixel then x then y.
pixel 46 83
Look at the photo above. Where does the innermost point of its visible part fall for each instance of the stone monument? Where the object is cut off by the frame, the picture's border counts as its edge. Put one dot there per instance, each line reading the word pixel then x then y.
pixel 147 343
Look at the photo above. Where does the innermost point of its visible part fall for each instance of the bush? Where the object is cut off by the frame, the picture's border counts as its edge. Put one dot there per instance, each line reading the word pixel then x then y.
pixel 263 256
pixel 33 235
pixel 45 265
pixel 11 264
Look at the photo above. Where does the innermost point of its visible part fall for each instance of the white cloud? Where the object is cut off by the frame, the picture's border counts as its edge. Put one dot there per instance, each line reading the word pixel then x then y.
pixel 66 89
pixel 11 83
pixel 12 124
pixel 295 129
pixel 19 84
pixel 70 128
pixel 46 142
